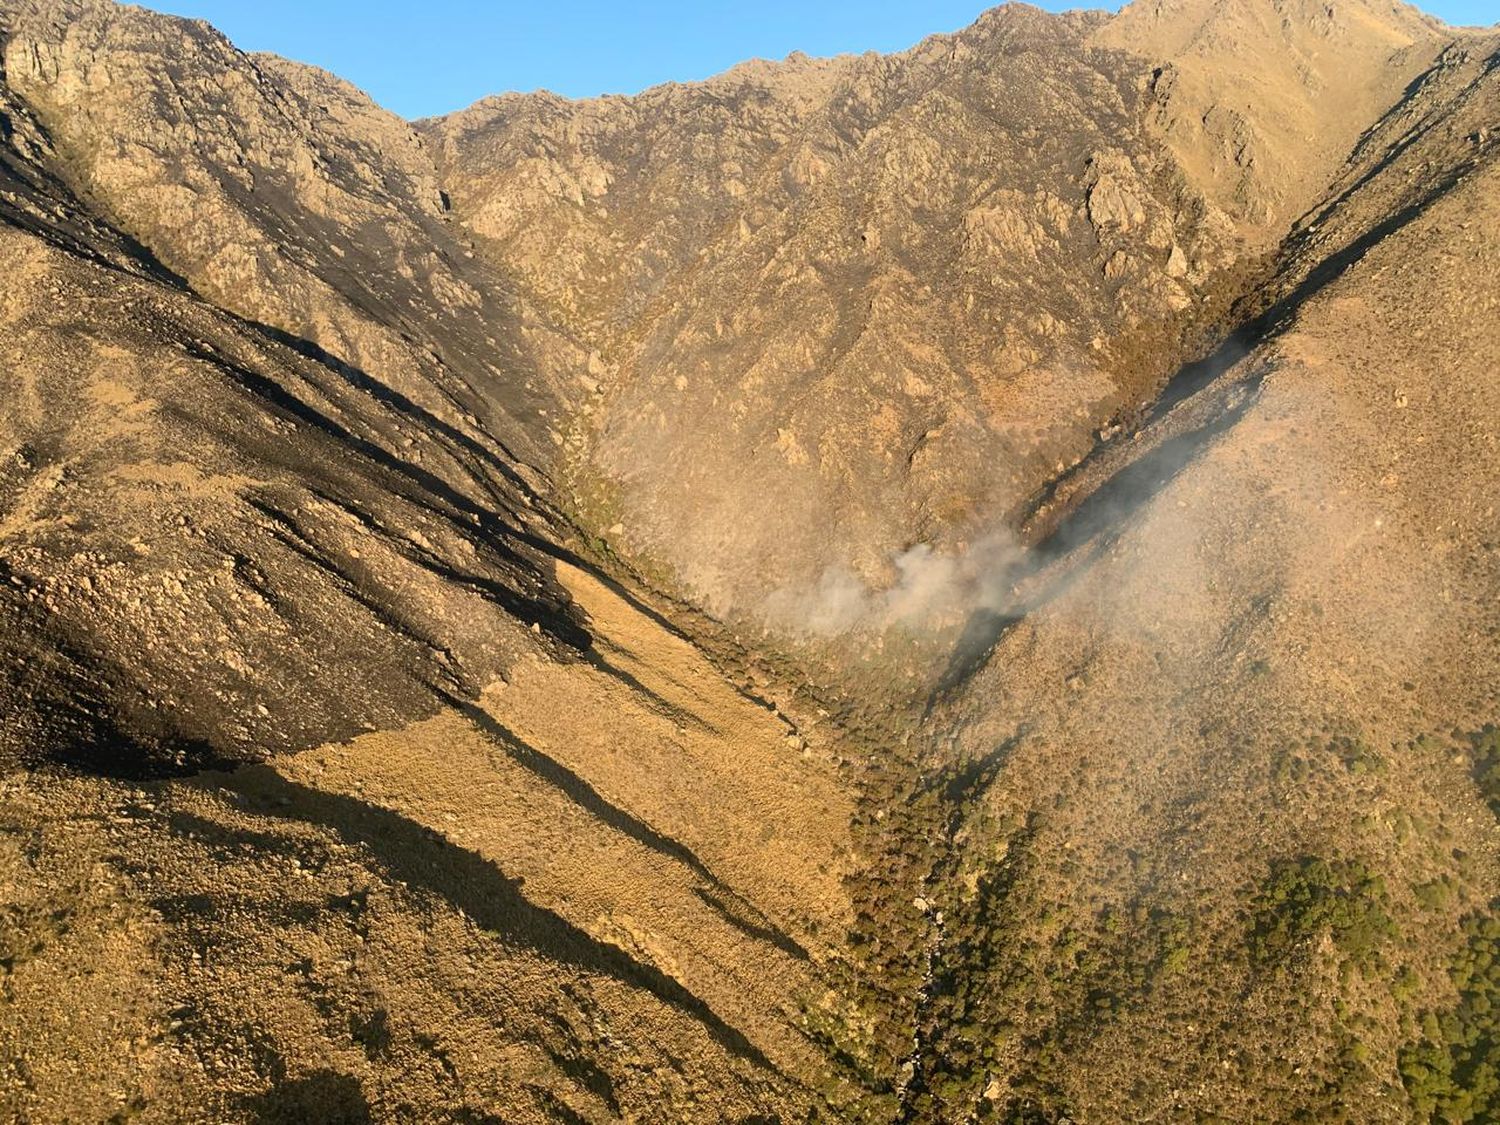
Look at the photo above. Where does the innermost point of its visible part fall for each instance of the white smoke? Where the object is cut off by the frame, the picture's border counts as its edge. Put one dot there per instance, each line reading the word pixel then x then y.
pixel 928 590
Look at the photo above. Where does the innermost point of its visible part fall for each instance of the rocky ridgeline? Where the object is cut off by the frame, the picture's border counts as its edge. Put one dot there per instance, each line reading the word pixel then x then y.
pixel 1072 440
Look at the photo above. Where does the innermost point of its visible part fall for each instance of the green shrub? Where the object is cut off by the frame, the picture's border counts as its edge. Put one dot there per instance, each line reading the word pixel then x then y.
pixel 1486 748
pixel 1306 897
pixel 1356 754
pixel 1436 894
pixel 1452 1073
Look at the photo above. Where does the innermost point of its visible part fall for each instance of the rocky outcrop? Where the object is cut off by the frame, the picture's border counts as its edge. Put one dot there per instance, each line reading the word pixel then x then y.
pixel 954 586
pixel 880 307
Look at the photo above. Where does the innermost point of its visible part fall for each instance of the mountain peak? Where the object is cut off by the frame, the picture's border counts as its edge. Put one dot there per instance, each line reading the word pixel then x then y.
pixel 948 586
pixel 1264 100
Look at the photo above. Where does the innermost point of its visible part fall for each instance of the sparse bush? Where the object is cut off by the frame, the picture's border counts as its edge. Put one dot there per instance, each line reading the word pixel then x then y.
pixel 1289 768
pixel 1437 894
pixel 1356 754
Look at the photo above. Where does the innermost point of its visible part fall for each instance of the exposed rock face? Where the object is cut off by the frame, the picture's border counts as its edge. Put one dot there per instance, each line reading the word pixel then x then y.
pixel 905 290
pixel 429 480
pixel 845 306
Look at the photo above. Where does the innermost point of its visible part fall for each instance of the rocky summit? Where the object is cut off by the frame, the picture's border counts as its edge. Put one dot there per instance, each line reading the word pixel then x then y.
pixel 945 587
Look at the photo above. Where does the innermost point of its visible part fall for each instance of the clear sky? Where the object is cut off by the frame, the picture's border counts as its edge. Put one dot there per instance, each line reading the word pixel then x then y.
pixel 422 57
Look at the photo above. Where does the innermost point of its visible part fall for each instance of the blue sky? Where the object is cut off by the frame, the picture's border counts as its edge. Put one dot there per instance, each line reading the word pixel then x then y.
pixel 421 58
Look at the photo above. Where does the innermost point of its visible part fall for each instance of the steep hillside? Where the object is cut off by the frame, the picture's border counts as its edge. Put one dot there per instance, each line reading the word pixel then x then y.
pixel 1263 102
pixel 511 872
pixel 598 892
pixel 956 586
pixel 1271 615
pixel 206 518
pixel 844 307
pixel 285 196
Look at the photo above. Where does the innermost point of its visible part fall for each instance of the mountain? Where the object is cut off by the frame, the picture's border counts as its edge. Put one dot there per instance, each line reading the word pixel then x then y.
pixel 910 287
pixel 949 586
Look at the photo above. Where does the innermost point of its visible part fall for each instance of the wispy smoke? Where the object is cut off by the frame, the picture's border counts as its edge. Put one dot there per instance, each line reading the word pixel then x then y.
pixel 928 589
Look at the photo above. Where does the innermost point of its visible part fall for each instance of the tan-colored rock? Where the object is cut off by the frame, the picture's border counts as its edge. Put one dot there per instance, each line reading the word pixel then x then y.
pixel 946 586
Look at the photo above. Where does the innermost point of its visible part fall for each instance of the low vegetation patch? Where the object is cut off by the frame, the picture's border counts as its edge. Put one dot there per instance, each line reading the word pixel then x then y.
pixel 1452 1072
pixel 1307 897
pixel 1486 749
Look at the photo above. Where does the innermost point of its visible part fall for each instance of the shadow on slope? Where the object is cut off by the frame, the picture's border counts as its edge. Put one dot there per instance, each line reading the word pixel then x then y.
pixel 424 859
pixel 1106 509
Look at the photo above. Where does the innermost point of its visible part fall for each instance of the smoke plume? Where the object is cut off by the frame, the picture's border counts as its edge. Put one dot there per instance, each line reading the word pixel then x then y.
pixel 930 589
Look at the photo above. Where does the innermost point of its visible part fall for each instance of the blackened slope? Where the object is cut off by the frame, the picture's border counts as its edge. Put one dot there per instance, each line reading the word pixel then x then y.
pixel 285 196
pixel 210 550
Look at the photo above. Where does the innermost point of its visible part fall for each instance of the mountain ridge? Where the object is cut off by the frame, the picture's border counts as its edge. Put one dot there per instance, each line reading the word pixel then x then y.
pixel 938 587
